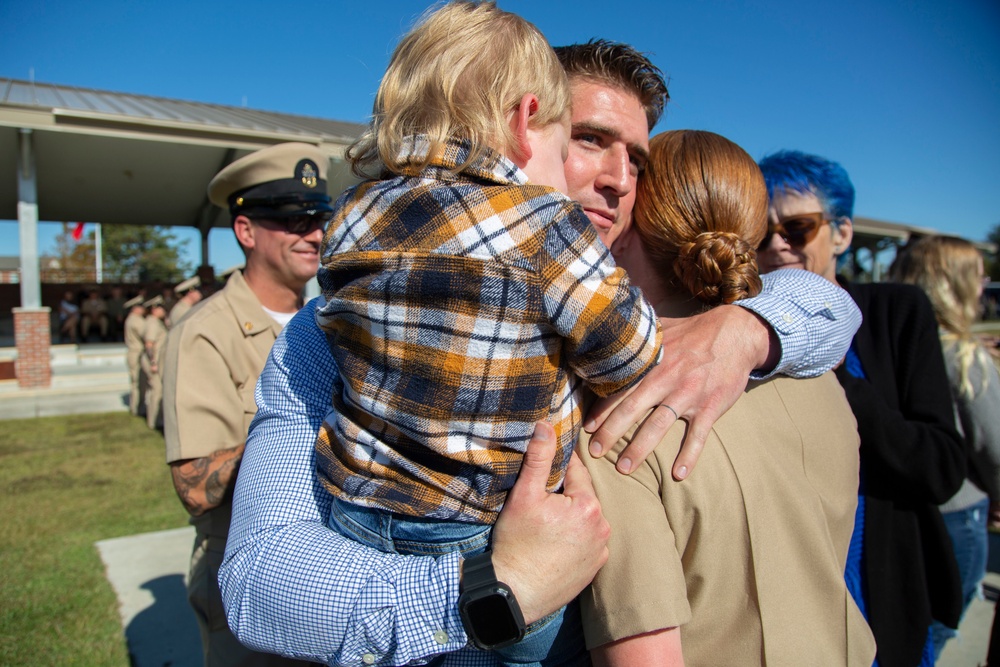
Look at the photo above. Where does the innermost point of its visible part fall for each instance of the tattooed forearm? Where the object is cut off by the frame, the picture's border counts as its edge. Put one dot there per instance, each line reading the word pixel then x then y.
pixel 202 484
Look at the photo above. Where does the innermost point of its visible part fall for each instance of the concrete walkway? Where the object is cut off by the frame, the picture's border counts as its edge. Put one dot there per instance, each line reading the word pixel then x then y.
pixel 148 573
pixel 973 641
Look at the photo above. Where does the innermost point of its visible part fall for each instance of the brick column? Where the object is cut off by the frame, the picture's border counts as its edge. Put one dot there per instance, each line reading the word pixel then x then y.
pixel 33 337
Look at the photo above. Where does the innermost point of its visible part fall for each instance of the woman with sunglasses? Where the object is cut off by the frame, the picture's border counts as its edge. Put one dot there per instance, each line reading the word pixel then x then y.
pixel 901 568
pixel 741 564
pixel 950 271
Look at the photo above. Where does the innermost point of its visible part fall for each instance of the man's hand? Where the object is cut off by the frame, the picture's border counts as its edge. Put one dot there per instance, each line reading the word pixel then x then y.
pixel 202 484
pixel 707 360
pixel 548 546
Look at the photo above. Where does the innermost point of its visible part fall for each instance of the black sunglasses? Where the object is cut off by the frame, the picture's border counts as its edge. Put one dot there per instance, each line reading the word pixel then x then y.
pixel 301 224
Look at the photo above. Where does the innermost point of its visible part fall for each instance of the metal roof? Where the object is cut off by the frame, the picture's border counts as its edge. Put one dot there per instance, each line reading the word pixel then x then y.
pixel 84 103
pixel 119 158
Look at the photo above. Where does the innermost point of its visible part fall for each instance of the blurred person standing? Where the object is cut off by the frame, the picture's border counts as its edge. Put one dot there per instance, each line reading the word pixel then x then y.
pixel 154 335
pixel 950 271
pixel 901 568
pixel 134 327
pixel 189 292
pixel 279 205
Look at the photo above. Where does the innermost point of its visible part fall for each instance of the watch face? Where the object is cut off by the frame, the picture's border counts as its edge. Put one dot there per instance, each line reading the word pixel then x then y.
pixel 493 620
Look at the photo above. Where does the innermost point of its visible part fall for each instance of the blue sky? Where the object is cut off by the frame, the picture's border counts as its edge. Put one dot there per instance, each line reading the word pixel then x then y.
pixel 904 93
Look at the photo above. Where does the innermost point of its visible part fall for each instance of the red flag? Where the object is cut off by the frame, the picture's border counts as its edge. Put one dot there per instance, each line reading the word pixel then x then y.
pixel 78 231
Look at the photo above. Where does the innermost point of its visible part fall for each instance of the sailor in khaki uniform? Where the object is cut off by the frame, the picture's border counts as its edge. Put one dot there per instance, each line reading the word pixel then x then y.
pixel 279 205
pixel 189 292
pixel 154 336
pixel 135 325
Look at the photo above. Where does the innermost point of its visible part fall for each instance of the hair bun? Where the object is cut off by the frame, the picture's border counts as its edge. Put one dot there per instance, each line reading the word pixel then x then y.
pixel 718 268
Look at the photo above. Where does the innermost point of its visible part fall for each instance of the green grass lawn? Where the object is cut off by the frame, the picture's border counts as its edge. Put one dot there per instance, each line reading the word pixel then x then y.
pixel 66 483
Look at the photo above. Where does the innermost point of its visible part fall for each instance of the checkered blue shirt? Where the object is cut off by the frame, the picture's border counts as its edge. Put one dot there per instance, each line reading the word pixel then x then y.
pixel 293 586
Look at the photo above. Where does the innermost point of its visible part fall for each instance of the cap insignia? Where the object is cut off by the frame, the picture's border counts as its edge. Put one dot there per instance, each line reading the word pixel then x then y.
pixel 309 173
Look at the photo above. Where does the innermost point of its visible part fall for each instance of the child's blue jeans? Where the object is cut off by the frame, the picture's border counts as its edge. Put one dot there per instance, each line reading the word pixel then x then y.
pixel 556 640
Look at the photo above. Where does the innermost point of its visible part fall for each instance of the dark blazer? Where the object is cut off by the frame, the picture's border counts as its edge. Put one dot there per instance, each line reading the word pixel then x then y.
pixel 912 459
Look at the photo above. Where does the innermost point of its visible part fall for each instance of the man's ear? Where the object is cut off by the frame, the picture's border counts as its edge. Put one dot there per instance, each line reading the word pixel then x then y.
pixel 520 121
pixel 842 236
pixel 244 230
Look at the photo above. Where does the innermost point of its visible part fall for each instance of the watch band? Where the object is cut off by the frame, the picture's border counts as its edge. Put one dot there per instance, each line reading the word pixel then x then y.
pixel 490 613
pixel 477 571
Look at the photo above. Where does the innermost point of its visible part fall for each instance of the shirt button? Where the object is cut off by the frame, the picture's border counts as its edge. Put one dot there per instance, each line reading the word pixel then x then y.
pixel 248 325
pixel 368 659
pixel 787 318
pixel 441 637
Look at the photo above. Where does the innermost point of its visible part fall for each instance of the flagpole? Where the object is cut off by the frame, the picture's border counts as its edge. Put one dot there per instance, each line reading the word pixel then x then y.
pixel 98 259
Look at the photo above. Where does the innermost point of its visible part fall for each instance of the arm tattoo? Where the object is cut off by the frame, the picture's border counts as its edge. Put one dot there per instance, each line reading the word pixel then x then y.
pixel 202 484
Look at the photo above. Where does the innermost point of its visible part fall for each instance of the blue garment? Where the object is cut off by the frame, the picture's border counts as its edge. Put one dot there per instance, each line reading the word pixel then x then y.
pixel 854 571
pixel 556 640
pixel 293 586
pixel 967 528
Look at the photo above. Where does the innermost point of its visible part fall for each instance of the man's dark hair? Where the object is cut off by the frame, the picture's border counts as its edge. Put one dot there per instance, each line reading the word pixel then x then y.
pixel 619 65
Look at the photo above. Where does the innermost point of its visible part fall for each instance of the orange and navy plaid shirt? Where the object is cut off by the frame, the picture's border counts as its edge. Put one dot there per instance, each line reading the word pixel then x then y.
pixel 461 309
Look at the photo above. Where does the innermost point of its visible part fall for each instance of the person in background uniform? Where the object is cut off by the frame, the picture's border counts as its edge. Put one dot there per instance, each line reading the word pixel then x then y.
pixel 189 292
pixel 95 313
pixel 135 325
pixel 153 338
pixel 279 205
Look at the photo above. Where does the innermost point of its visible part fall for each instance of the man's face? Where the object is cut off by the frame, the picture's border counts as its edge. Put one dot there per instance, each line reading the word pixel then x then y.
pixel 819 254
pixel 290 259
pixel 609 146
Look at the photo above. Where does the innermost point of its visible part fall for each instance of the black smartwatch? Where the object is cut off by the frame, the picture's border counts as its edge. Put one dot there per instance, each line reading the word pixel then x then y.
pixel 490 613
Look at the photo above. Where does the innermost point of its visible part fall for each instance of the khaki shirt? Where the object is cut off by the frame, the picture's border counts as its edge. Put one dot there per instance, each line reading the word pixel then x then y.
pixel 213 359
pixel 747 555
pixel 177 312
pixel 135 327
pixel 155 333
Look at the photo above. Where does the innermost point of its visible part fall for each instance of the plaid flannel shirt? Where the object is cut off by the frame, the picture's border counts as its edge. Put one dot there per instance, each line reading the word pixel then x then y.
pixel 461 309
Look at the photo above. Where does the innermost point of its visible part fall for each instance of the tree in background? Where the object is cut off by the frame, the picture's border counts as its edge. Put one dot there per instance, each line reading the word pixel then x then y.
pixel 139 253
pixel 130 253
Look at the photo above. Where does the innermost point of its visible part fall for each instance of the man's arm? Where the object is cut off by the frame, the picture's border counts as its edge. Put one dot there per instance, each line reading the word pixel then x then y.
pixel 800 325
pixel 293 586
pixel 202 483
pixel 204 418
